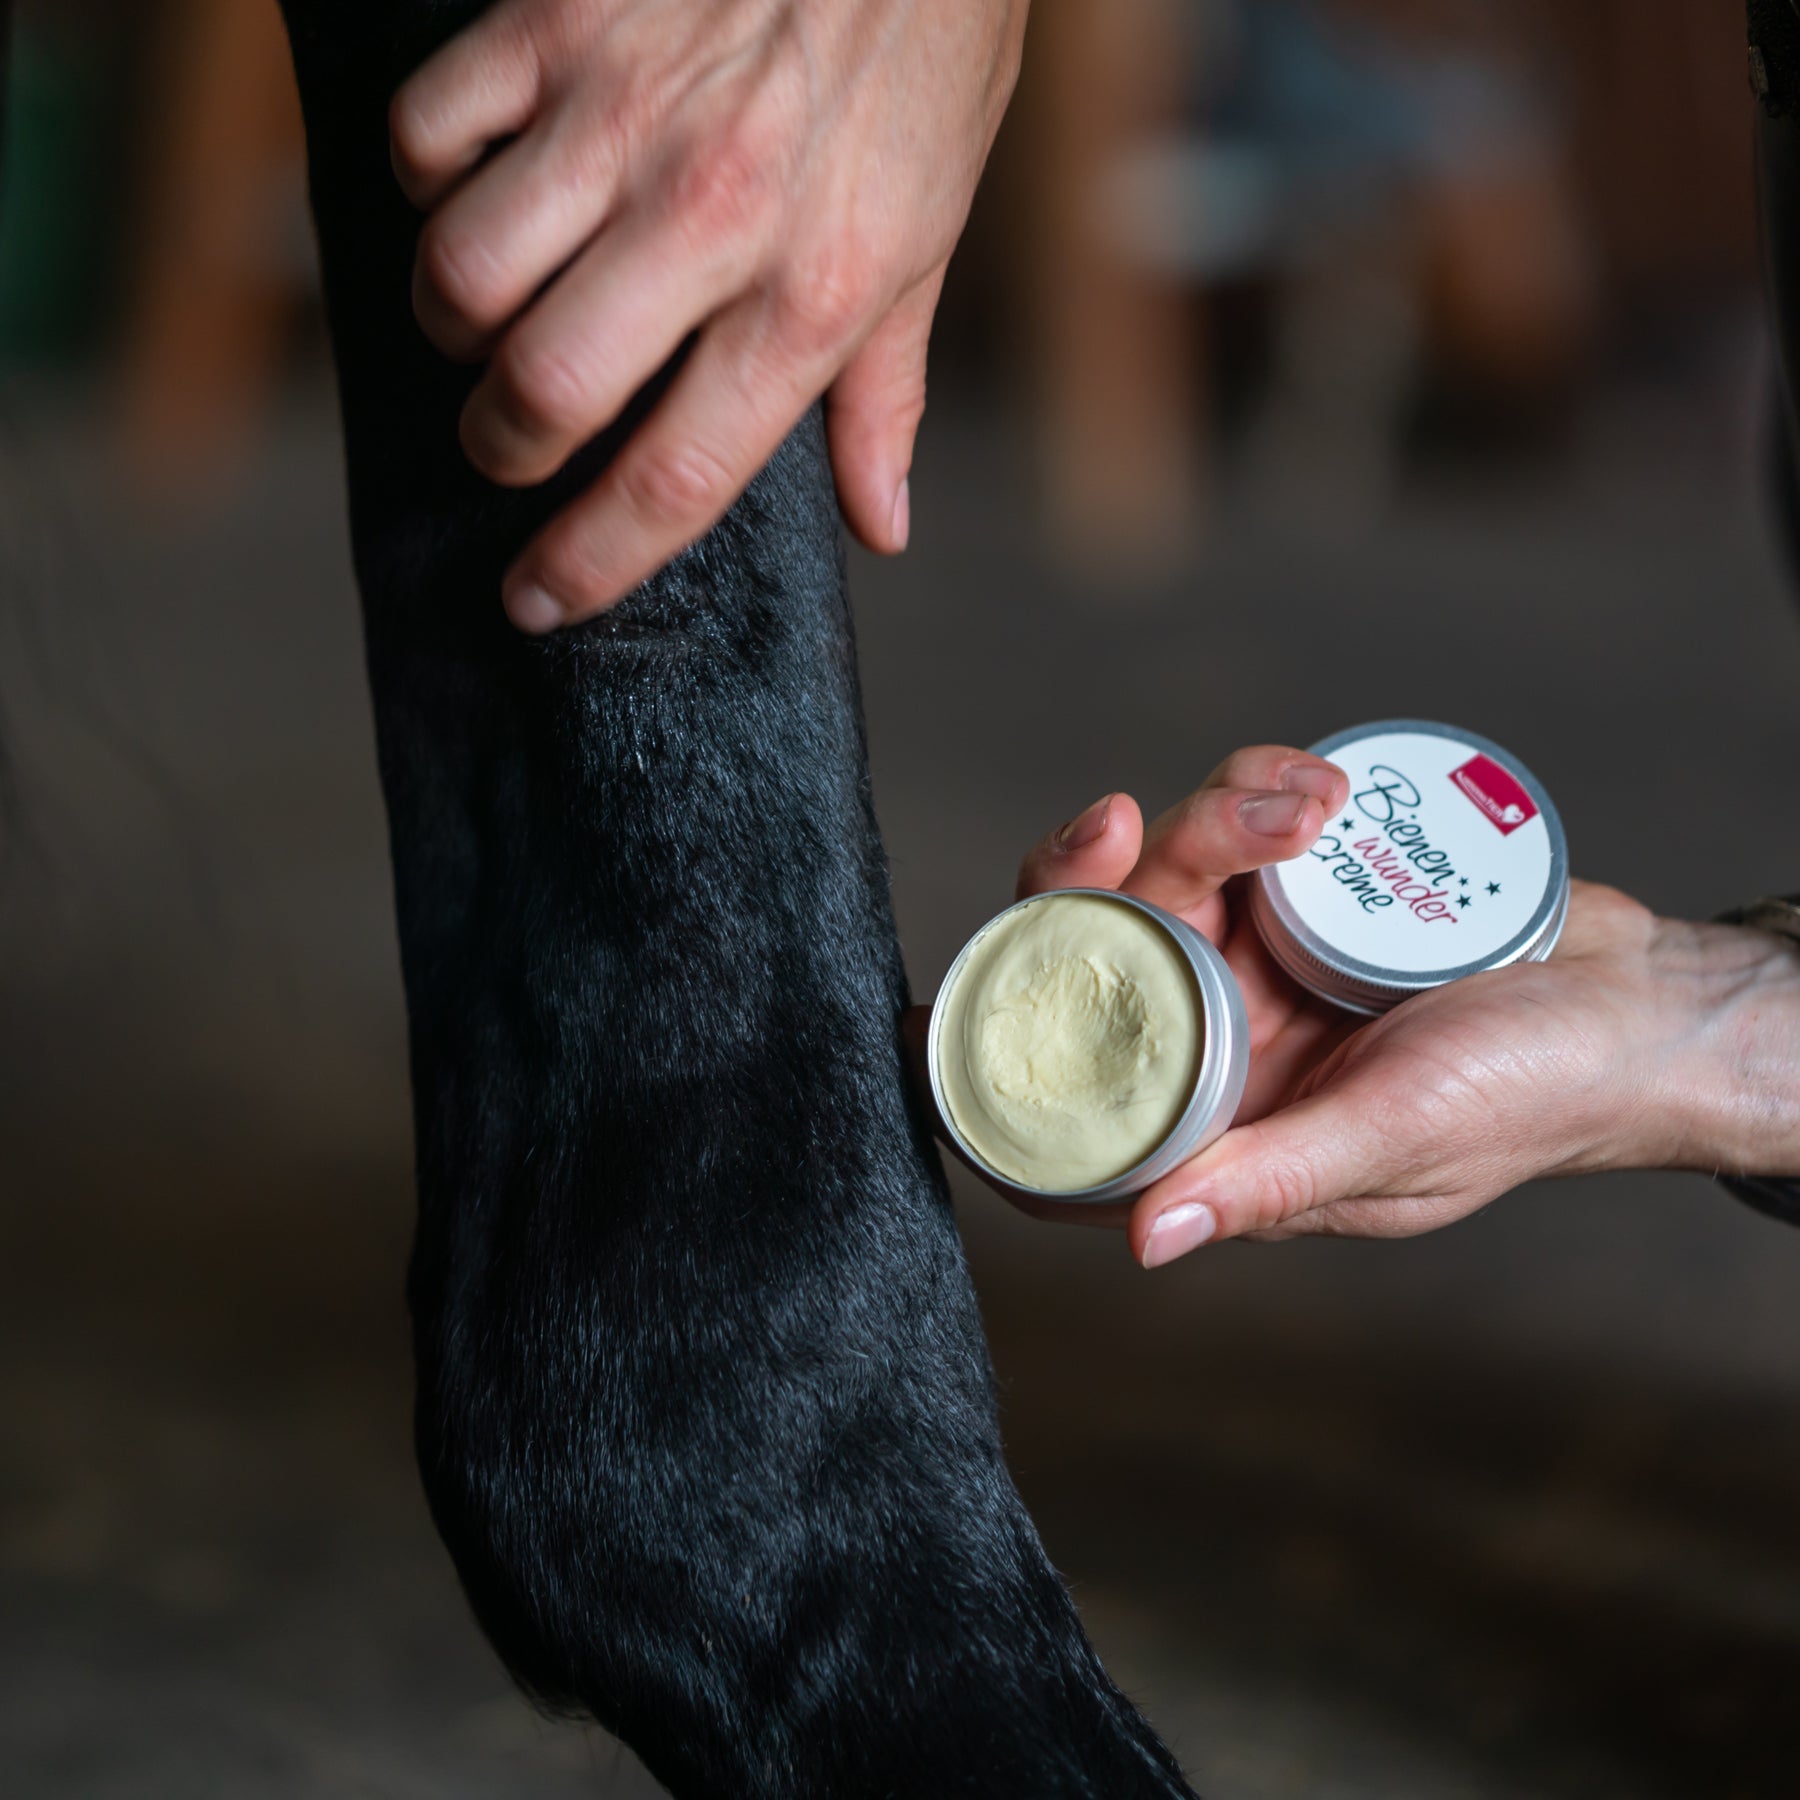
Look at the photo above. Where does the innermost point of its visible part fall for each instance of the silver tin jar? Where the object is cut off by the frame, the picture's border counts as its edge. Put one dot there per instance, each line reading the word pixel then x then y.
pixel 1218 1081
pixel 1448 859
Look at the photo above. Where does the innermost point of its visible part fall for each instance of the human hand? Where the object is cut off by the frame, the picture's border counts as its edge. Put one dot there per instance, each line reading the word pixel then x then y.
pixel 1262 805
pixel 1641 1043
pixel 785 178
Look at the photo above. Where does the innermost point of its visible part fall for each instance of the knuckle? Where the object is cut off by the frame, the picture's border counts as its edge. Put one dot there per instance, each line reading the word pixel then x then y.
pixel 409 133
pixel 825 303
pixel 726 189
pixel 676 485
pixel 1199 813
pixel 599 151
pixel 1289 1188
pixel 733 178
pixel 461 273
pixel 538 386
pixel 560 30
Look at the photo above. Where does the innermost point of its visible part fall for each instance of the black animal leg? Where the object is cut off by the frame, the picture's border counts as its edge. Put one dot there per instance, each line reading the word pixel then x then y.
pixel 704 1409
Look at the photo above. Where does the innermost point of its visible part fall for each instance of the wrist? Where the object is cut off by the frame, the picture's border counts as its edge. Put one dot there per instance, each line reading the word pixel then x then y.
pixel 1729 1000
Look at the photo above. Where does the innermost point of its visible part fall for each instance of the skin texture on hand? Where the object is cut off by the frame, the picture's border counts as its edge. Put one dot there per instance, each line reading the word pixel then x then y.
pixel 1640 1043
pixel 776 185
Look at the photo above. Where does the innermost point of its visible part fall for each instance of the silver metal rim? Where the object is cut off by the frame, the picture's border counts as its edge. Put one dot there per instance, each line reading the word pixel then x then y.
pixel 1218 1083
pixel 1363 987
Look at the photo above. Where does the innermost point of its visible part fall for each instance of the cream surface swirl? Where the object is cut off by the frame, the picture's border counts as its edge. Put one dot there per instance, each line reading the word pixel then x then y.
pixel 1070 1041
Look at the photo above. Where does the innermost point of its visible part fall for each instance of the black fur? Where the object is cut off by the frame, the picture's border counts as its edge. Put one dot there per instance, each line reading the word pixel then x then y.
pixel 704 1409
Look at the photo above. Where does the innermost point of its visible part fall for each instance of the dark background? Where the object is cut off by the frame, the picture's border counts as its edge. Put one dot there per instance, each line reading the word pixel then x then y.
pixel 1411 362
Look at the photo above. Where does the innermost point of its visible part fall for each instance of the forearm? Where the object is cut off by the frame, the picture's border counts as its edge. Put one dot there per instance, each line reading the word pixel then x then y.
pixel 1730 1001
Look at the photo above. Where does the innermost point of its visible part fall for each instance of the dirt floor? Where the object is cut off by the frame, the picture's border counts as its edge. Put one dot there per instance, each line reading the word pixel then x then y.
pixel 1504 1513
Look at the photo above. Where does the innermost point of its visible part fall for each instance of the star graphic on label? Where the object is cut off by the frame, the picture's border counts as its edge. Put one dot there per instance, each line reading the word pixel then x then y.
pixel 1493 887
pixel 1462 899
pixel 1349 825
pixel 1462 881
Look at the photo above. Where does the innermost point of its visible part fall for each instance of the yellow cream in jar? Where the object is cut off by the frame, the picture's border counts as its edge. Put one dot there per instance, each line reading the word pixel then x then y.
pixel 1070 1042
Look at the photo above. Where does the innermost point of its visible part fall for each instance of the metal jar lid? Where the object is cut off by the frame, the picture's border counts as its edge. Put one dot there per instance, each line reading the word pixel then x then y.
pixel 1218 1082
pixel 1447 859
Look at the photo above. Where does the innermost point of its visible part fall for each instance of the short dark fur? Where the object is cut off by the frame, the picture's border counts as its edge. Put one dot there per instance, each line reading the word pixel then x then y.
pixel 704 1409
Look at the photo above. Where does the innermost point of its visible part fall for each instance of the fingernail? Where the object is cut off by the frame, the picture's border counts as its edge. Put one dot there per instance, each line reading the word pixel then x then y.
pixel 533 610
pixel 902 520
pixel 1317 779
pixel 1273 815
pixel 1085 827
pixel 1179 1230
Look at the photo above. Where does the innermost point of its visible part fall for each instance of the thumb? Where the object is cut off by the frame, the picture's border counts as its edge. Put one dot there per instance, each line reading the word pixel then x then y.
pixel 1261 1176
pixel 872 415
pixel 1096 849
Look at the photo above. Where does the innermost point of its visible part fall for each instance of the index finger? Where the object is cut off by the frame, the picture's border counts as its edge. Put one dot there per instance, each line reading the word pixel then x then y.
pixel 725 415
pixel 1260 806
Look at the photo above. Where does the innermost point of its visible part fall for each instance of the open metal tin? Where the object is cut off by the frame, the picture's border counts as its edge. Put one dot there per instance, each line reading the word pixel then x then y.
pixel 1218 1084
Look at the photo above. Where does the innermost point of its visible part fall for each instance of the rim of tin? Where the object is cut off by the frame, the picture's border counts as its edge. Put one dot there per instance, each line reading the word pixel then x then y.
pixel 1332 974
pixel 1212 1102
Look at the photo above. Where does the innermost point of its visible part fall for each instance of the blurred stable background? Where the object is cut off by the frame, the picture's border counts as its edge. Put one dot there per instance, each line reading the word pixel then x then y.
pixel 1307 361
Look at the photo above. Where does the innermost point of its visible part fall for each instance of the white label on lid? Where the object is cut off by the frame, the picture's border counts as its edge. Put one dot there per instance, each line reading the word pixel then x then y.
pixel 1438 860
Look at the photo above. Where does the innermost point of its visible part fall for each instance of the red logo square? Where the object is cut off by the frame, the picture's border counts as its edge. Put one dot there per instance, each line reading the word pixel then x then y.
pixel 1505 803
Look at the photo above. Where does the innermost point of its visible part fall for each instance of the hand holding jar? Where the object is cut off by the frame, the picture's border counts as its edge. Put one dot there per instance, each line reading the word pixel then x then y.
pixel 1638 1043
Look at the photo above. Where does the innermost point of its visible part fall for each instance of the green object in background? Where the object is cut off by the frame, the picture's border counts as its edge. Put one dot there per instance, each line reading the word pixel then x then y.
pixel 59 219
